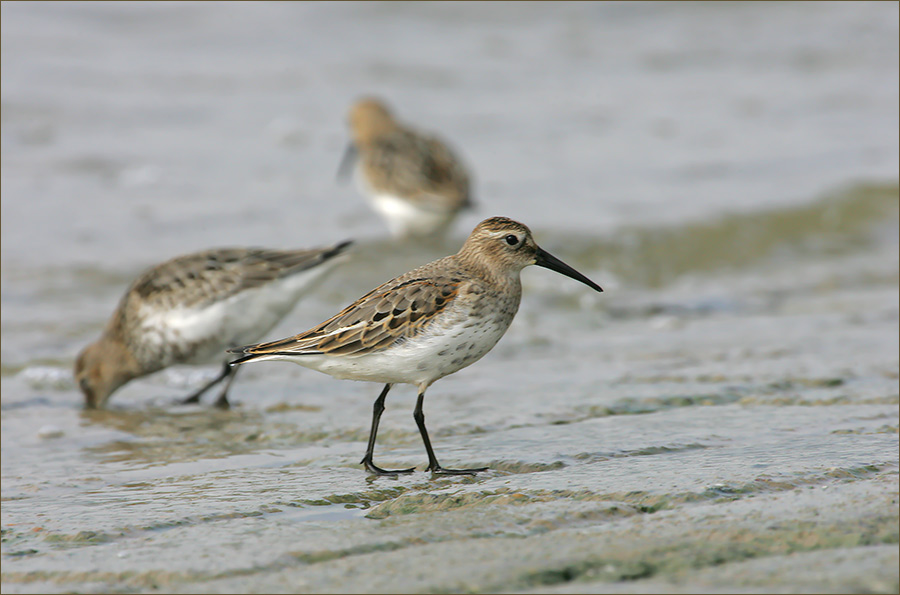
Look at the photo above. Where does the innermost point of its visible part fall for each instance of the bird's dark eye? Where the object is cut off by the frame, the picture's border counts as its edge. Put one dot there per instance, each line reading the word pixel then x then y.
pixel 511 240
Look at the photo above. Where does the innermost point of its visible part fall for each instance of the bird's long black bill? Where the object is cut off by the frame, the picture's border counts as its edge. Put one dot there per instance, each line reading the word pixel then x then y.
pixel 548 261
pixel 347 161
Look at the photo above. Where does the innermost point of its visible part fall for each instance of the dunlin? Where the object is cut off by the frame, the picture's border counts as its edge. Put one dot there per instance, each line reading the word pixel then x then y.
pixel 424 325
pixel 412 179
pixel 189 310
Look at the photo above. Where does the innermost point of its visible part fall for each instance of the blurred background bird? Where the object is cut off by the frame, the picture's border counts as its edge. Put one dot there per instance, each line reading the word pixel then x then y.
pixel 192 308
pixel 413 179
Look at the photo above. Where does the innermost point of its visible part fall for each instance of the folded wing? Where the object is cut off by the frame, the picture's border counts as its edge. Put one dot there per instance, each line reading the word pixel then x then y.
pixel 390 313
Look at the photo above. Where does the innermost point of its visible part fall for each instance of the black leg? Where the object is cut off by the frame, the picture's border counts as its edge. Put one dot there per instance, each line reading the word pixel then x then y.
pixel 433 464
pixel 195 397
pixel 222 401
pixel 377 410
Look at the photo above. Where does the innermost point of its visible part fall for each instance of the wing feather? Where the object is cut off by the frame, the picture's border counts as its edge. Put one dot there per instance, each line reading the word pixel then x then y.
pixel 392 312
pixel 419 167
pixel 198 280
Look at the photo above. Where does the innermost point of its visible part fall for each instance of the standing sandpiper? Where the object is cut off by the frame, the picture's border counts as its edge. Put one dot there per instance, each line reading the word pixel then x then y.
pixel 190 309
pixel 424 325
pixel 412 179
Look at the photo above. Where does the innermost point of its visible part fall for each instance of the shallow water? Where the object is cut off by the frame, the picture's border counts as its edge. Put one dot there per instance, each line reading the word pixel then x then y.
pixel 724 416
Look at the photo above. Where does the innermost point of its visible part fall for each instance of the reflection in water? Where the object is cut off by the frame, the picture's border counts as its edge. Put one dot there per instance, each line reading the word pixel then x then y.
pixel 162 436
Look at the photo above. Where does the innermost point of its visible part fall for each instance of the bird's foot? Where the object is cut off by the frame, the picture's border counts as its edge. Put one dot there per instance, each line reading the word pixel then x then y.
pixel 376 470
pixel 438 470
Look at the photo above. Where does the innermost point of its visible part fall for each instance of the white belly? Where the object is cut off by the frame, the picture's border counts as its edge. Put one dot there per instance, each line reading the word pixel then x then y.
pixel 405 218
pixel 201 335
pixel 418 361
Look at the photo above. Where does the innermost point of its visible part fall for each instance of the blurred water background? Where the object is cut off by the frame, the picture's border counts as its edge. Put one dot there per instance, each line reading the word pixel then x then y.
pixel 725 415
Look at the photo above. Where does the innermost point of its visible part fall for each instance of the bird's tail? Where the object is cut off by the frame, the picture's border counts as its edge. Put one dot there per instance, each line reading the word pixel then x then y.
pixel 276 350
pixel 337 249
pixel 249 355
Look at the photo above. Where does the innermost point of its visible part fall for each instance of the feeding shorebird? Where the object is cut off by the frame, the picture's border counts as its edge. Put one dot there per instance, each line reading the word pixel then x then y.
pixel 190 309
pixel 413 180
pixel 424 325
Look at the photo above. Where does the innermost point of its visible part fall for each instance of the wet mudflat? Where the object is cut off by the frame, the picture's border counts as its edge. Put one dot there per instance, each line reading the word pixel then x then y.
pixel 628 441
pixel 723 418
